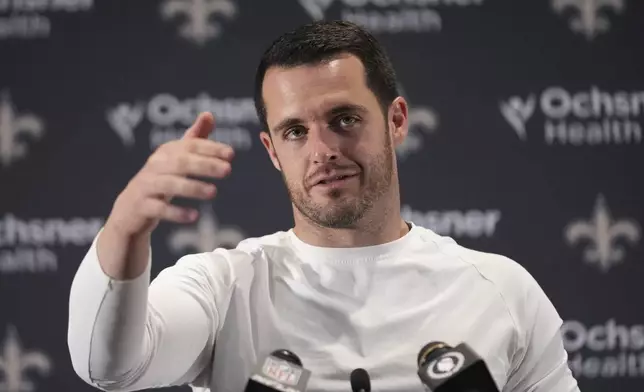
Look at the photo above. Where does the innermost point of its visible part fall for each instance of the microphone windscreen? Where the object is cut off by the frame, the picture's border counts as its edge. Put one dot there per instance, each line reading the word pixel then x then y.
pixel 360 381
pixel 288 356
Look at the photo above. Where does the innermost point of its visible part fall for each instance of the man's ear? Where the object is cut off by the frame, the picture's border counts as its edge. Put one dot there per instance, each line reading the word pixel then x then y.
pixel 398 120
pixel 267 141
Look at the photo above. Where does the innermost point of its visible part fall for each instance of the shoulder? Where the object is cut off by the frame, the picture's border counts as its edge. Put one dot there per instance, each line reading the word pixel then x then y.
pixel 227 265
pixel 502 271
pixel 278 239
pixel 515 285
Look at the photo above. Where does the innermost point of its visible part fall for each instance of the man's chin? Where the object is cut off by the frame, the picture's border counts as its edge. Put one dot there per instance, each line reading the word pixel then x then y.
pixel 328 212
pixel 338 219
pixel 340 214
pixel 335 202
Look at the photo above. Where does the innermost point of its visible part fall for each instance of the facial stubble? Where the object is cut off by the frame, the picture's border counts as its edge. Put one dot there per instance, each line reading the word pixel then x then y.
pixel 343 211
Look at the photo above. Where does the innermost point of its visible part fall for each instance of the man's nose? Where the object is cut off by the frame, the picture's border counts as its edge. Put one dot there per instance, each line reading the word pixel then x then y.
pixel 324 144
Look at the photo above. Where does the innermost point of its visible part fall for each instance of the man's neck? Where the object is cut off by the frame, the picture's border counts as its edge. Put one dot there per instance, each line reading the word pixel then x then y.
pixel 388 227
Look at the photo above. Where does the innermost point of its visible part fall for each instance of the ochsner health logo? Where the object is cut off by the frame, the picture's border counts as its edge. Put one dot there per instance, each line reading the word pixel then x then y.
pixel 455 223
pixel 166 117
pixel 29 19
pixel 387 16
pixel 607 350
pixel 576 118
pixel 30 245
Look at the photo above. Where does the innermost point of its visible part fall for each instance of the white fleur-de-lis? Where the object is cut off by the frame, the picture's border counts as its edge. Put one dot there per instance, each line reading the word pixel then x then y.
pixel 198 26
pixel 589 22
pixel 206 236
pixel 601 233
pixel 12 126
pixel 15 363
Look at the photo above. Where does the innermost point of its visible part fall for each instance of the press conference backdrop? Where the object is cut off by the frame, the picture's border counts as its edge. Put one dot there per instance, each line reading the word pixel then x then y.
pixel 526 121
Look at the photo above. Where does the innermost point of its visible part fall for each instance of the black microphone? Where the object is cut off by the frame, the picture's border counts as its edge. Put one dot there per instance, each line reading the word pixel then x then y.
pixel 360 381
pixel 281 371
pixel 443 368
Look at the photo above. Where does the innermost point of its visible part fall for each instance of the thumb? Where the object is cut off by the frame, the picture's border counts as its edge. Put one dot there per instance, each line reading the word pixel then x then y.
pixel 202 126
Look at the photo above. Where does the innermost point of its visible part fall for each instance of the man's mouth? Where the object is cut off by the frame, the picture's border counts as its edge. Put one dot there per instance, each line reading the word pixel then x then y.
pixel 335 179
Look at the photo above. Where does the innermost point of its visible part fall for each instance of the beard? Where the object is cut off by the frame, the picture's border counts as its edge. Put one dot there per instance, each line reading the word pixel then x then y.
pixel 343 211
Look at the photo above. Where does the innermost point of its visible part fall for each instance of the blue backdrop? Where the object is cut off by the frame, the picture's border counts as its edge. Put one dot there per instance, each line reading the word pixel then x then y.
pixel 526 140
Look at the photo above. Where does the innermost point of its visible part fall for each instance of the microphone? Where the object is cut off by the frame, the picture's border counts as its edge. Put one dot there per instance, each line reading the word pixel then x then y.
pixel 360 381
pixel 443 368
pixel 280 371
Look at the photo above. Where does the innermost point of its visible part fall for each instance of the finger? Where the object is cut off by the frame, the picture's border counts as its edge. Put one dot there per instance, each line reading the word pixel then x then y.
pixel 180 161
pixel 158 209
pixel 195 165
pixel 170 186
pixel 209 148
pixel 202 127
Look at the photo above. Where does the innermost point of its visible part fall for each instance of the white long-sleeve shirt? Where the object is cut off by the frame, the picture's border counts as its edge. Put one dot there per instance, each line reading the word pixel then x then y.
pixel 208 320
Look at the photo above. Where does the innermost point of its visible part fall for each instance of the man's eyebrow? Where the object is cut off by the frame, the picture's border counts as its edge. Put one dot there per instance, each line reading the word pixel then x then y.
pixel 285 124
pixel 347 107
pixel 339 109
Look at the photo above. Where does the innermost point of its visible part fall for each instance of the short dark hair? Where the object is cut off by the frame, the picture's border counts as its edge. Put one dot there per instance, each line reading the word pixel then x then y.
pixel 324 40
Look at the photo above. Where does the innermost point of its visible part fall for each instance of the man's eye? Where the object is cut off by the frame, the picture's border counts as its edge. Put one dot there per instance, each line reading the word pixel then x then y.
pixel 348 121
pixel 294 133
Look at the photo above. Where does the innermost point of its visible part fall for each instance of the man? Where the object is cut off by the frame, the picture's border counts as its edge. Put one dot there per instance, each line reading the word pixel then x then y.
pixel 351 285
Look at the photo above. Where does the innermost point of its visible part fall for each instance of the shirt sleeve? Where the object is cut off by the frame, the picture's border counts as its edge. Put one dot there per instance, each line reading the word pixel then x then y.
pixel 541 362
pixel 132 335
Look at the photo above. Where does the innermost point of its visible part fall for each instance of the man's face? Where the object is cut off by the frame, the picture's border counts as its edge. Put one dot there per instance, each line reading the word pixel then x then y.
pixel 330 139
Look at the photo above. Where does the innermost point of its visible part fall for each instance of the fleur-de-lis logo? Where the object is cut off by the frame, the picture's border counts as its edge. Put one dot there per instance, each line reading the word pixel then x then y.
pixel 602 234
pixel 12 126
pixel 589 22
pixel 198 27
pixel 206 236
pixel 15 363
